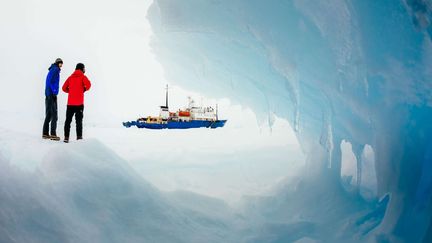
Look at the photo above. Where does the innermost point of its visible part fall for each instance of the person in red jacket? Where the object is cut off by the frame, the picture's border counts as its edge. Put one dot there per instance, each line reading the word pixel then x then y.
pixel 75 86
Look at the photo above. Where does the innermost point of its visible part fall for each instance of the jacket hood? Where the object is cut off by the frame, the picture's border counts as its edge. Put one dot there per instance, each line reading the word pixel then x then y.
pixel 77 73
pixel 53 66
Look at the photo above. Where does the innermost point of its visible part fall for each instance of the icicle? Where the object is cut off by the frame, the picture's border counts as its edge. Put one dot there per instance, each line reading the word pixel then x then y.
pixel 326 139
pixel 329 144
pixel 336 159
pixel 292 85
pixel 271 120
pixel 297 119
pixel 358 150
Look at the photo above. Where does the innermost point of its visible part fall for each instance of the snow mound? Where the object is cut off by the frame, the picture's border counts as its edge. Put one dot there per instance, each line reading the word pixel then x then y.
pixel 83 192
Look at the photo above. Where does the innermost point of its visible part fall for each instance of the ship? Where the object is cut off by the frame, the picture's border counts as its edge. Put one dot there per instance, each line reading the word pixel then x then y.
pixel 191 117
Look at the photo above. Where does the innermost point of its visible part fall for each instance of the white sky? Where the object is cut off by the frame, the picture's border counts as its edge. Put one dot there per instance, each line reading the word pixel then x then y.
pixel 113 39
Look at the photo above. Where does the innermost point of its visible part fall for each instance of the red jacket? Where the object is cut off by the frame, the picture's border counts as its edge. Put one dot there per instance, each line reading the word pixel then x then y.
pixel 76 85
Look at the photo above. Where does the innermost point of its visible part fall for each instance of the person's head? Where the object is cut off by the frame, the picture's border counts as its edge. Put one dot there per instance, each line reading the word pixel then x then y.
pixel 59 62
pixel 81 67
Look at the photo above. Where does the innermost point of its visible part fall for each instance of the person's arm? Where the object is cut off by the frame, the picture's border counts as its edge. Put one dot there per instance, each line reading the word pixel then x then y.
pixel 65 87
pixel 54 81
pixel 87 83
pixel 50 78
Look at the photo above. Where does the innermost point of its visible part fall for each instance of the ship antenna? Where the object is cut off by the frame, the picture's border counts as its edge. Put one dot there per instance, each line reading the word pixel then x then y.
pixel 217 112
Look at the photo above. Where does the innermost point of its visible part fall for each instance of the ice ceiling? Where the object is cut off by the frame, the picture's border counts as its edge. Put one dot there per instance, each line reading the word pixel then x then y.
pixel 354 71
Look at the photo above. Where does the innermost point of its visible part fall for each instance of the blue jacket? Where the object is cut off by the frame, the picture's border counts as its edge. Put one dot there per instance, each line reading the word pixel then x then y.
pixel 52 81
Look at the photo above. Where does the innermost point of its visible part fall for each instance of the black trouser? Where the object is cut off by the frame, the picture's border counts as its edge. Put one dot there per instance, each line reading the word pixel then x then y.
pixel 78 111
pixel 50 115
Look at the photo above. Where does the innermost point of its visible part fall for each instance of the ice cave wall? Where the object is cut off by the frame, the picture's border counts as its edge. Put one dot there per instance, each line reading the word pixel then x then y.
pixel 358 71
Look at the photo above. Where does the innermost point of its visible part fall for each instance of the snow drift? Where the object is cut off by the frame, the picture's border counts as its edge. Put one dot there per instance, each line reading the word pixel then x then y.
pixel 338 71
pixel 86 193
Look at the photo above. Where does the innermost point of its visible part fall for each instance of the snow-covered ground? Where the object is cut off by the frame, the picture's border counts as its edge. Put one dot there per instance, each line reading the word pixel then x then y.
pixel 85 191
pixel 203 161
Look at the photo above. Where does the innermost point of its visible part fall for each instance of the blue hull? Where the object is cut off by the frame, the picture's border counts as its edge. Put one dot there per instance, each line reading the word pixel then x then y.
pixel 176 124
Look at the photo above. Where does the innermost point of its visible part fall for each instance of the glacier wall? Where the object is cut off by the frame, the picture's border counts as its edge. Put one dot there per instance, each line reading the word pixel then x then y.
pixel 354 71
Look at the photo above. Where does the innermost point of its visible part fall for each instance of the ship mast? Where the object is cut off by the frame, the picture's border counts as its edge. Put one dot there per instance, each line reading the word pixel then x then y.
pixel 166 96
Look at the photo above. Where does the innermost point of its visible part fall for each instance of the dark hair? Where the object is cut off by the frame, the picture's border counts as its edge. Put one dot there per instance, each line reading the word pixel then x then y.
pixel 80 66
pixel 58 61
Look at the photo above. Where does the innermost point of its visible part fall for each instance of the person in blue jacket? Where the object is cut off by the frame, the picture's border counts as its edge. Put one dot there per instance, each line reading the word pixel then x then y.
pixel 51 92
